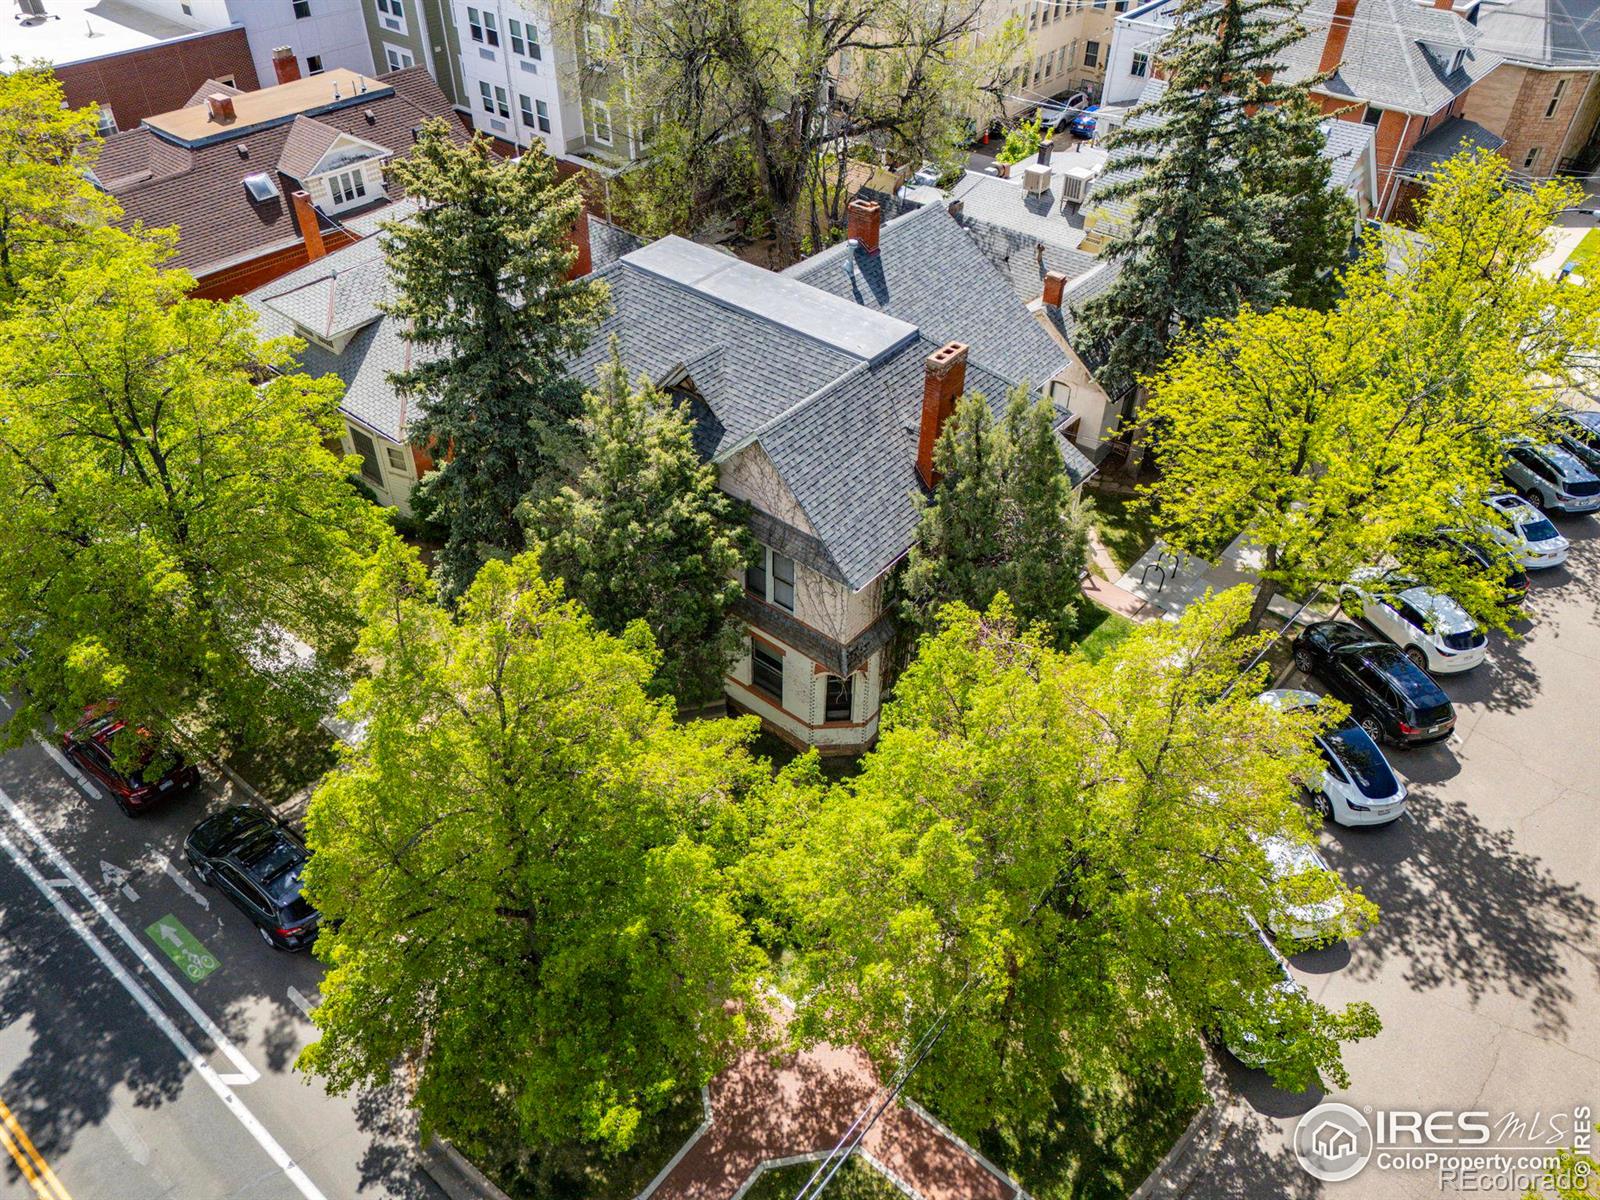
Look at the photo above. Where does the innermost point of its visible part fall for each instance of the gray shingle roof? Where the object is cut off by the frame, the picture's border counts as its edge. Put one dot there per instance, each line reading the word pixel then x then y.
pixel 1345 144
pixel 1446 141
pixel 1550 33
pixel 607 242
pixel 309 139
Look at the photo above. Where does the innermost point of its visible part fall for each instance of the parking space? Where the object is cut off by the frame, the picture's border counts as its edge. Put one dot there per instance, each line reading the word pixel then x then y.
pixel 1485 966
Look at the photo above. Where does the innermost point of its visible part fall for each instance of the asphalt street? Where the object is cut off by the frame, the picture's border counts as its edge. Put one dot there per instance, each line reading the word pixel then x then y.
pixel 147 1034
pixel 1485 967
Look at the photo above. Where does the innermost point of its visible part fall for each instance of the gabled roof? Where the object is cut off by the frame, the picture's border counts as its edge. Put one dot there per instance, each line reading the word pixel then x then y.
pixel 607 242
pixel 200 187
pixel 337 303
pixel 309 139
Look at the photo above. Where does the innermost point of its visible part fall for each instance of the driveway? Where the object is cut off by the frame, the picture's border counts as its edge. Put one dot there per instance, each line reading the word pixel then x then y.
pixel 1486 964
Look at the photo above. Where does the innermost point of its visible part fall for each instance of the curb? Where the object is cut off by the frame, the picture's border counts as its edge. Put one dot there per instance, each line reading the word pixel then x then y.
pixel 1176 1171
pixel 688 1145
pixel 457 1177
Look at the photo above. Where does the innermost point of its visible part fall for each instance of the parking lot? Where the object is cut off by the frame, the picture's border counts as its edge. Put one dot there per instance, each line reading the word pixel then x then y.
pixel 1485 966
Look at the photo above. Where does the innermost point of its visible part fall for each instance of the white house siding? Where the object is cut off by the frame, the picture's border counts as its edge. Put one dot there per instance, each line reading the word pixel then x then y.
pixel 519 75
pixel 395 488
pixel 799 719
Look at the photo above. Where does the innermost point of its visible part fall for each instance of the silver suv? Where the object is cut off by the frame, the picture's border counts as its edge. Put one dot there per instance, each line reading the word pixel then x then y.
pixel 1551 478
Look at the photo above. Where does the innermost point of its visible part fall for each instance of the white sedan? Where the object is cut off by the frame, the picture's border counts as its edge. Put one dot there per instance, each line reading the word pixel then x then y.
pixel 1528 533
pixel 1357 785
pixel 1432 629
pixel 1310 914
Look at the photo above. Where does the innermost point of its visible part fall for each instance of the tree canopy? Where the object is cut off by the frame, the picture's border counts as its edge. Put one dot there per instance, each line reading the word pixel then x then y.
pixel 646 534
pixel 1223 193
pixel 524 868
pixel 1061 856
pixel 1329 439
pixel 1003 518
pixel 480 274
pixel 171 521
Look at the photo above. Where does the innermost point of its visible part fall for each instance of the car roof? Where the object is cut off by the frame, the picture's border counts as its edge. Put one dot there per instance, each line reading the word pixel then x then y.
pixel 222 831
pixel 1415 684
pixel 1588 418
pixel 1448 616
pixel 1341 634
pixel 1570 465
pixel 1289 699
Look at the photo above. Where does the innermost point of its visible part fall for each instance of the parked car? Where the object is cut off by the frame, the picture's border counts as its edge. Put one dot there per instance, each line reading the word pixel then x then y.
pixel 1578 433
pixel 1528 533
pixel 1252 1029
pixel 1551 477
pixel 1494 559
pixel 256 861
pixel 1357 786
pixel 1389 696
pixel 140 776
pixel 1302 920
pixel 1082 124
pixel 1431 629
pixel 927 175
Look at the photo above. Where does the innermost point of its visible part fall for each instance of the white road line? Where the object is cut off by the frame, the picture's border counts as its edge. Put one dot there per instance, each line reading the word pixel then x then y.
pixel 303 1002
pixel 131 940
pixel 114 876
pixel 183 883
pixel 146 1001
pixel 77 776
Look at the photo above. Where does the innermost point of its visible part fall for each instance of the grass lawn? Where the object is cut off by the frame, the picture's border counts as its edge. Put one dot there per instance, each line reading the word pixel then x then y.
pixel 1585 255
pixel 580 1171
pixel 1124 533
pixel 1099 629
pixel 855 1181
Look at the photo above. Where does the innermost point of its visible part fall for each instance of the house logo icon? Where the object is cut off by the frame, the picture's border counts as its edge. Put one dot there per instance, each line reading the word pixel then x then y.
pixel 1333 1142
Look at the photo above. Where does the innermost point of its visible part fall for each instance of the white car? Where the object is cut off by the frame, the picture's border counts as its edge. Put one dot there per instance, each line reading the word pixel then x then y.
pixel 1357 785
pixel 1300 867
pixel 1528 534
pixel 1434 631
pixel 1251 1030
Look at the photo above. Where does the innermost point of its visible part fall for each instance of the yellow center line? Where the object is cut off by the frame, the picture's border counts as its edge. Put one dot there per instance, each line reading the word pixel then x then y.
pixel 27 1157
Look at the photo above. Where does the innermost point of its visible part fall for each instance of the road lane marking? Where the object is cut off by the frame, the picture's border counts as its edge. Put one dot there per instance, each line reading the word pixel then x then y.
pixel 246 1072
pixel 116 878
pixel 65 764
pixel 39 1174
pixel 217 1083
pixel 182 947
pixel 302 1001
pixel 187 888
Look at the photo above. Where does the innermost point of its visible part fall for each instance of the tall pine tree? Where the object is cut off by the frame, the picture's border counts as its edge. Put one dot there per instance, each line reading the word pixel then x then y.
pixel 1215 200
pixel 1003 519
pixel 480 277
pixel 646 534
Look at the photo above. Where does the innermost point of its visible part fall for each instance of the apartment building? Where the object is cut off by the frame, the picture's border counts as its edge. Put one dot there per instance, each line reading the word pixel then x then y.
pixel 417 33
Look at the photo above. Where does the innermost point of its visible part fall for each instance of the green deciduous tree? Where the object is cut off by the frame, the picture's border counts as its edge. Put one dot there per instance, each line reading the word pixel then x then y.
pixel 1003 518
pixel 480 277
pixel 1061 856
pixel 1221 203
pixel 167 520
pixel 527 859
pixel 1330 438
pixel 47 199
pixel 646 534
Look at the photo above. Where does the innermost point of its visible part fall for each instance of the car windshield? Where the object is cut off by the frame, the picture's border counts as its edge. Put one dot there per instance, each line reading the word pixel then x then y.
pixel 1538 529
pixel 1364 761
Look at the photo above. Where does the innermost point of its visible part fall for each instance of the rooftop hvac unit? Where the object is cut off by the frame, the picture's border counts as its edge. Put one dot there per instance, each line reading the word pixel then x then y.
pixel 1076 181
pixel 1036 180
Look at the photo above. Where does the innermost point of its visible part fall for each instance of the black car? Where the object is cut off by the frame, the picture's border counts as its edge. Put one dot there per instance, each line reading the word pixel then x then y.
pixel 256 862
pixel 1390 697
pixel 1494 561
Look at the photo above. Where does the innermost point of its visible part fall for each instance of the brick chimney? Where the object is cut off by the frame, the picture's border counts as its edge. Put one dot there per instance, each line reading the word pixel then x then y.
pixel 306 217
pixel 285 64
pixel 943 379
pixel 1444 4
pixel 864 219
pixel 1344 11
pixel 578 235
pixel 221 106
pixel 1055 286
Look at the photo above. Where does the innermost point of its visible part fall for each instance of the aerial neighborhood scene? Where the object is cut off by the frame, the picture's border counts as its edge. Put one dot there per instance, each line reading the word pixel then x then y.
pixel 796 599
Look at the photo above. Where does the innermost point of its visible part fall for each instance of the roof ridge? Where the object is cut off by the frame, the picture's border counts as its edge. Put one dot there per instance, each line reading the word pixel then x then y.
pixel 771 423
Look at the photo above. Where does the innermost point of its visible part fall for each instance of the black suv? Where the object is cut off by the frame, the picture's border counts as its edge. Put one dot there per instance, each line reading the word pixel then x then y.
pixel 1390 697
pixel 256 862
pixel 1491 560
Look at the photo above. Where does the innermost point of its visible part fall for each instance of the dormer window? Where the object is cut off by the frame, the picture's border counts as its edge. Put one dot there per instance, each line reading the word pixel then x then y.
pixel 348 187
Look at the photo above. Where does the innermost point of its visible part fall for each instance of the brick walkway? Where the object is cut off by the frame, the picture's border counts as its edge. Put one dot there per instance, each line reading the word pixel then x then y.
pixel 763 1109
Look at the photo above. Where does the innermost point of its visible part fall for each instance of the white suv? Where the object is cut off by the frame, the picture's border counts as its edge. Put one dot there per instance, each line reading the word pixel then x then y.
pixel 1356 786
pixel 1551 477
pixel 1527 533
pixel 1434 631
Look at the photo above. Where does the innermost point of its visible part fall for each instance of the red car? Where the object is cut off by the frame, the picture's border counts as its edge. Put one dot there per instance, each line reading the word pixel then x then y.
pixel 157 775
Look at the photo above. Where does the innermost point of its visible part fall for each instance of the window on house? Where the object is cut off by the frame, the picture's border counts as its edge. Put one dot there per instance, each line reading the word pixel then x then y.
pixel 393 8
pixel 491 29
pixel 543 110
pixel 524 38
pixel 1372 116
pixel 841 692
pixel 486 94
pixel 766 671
pixel 475 24
pixel 1120 6
pixel 1531 159
pixel 348 186
pixel 525 104
pixel 594 40
pixel 108 121
pixel 502 101
pixel 398 59
pixel 228 79
pixel 755 575
pixel 188 9
pixel 1091 54
pixel 397 459
pixel 1033 16
pixel 602 122
pixel 1140 66
pixel 1555 99
pixel 302 9
pixel 368 454
pixel 771 578
pixel 313 64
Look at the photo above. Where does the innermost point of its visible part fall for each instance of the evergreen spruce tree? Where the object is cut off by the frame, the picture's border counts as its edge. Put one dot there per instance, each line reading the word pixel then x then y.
pixel 1220 167
pixel 646 534
pixel 1002 519
pixel 481 281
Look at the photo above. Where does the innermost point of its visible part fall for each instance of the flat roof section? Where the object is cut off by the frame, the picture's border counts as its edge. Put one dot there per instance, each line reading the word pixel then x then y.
pixel 336 88
pixel 75 30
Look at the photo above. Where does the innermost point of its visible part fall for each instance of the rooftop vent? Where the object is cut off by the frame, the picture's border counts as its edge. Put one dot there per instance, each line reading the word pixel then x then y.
pixel 260 186
pixel 372 117
pixel 244 149
pixel 1036 180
